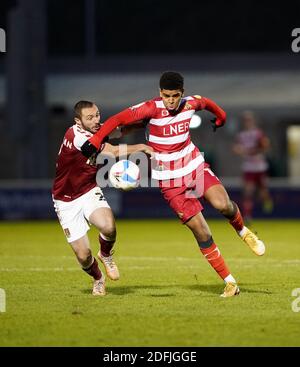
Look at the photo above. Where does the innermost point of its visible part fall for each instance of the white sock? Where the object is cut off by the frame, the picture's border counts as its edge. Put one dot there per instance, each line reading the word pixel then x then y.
pixel 230 279
pixel 243 231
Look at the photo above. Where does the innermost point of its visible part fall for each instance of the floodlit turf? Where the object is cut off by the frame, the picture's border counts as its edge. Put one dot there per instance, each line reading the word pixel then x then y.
pixel 167 295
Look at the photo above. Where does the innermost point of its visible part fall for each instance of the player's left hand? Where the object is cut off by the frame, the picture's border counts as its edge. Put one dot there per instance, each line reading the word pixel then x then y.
pixel 148 150
pixel 217 123
pixel 150 153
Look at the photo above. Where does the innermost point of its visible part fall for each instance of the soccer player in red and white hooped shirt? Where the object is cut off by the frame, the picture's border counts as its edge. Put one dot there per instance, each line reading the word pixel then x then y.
pixel 252 144
pixel 180 165
pixel 78 199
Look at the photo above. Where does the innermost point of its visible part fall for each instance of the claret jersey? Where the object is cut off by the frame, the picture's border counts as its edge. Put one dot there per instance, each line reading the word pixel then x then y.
pixel 75 174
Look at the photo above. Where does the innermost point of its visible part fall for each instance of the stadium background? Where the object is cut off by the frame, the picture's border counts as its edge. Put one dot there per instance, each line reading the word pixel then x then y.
pixel 113 53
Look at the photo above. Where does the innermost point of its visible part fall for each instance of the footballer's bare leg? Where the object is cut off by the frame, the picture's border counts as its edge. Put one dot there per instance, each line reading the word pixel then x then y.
pixel 81 248
pixel 210 250
pixel 89 264
pixel 104 220
pixel 198 225
pixel 217 196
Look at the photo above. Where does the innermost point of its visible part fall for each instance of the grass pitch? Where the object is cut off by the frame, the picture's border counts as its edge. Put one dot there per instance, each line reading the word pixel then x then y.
pixel 167 295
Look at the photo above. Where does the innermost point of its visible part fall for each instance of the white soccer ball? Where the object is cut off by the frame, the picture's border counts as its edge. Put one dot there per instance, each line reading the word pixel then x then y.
pixel 124 175
pixel 195 121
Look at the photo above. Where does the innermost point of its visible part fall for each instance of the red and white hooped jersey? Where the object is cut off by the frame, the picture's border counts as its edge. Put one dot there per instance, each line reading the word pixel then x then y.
pixel 169 135
pixel 75 175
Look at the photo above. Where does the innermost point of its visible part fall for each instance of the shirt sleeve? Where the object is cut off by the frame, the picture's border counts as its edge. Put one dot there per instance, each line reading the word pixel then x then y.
pixel 131 115
pixel 204 103
pixel 79 140
pixel 199 102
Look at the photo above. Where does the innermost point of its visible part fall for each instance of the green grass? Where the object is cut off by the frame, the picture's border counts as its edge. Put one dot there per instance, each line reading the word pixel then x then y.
pixel 167 295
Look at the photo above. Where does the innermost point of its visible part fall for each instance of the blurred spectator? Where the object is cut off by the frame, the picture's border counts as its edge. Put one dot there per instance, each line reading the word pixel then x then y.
pixel 252 145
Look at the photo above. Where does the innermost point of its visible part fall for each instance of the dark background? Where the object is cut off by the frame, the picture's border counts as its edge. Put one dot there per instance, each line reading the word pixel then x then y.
pixel 112 52
pixel 132 27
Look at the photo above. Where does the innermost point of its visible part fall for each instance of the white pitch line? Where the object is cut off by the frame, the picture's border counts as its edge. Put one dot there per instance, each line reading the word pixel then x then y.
pixel 194 266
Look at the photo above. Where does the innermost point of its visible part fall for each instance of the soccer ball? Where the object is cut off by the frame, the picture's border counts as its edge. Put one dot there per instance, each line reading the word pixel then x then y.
pixel 124 175
pixel 195 121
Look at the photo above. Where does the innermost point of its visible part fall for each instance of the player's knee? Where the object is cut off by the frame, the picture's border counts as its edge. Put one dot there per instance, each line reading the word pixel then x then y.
pixel 85 257
pixel 109 232
pixel 222 205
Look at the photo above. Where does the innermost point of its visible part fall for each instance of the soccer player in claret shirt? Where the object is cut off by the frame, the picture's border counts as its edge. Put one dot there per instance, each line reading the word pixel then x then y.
pixel 180 165
pixel 252 145
pixel 78 199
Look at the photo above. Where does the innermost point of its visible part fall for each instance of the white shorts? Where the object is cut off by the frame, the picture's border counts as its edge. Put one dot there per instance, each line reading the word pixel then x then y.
pixel 74 215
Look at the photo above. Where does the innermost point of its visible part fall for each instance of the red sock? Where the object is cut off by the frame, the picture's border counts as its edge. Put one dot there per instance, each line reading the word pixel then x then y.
pixel 237 221
pixel 94 270
pixel 214 257
pixel 105 245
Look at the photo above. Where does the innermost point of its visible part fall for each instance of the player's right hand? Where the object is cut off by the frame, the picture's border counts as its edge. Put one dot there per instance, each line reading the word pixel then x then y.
pixel 217 123
pixel 88 149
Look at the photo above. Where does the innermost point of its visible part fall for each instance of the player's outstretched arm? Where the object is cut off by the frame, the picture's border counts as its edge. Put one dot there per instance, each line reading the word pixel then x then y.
pixel 93 144
pixel 125 149
pixel 212 107
pixel 129 116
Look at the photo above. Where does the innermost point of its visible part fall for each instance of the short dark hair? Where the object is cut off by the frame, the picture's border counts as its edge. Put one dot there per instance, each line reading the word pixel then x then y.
pixel 171 80
pixel 80 105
